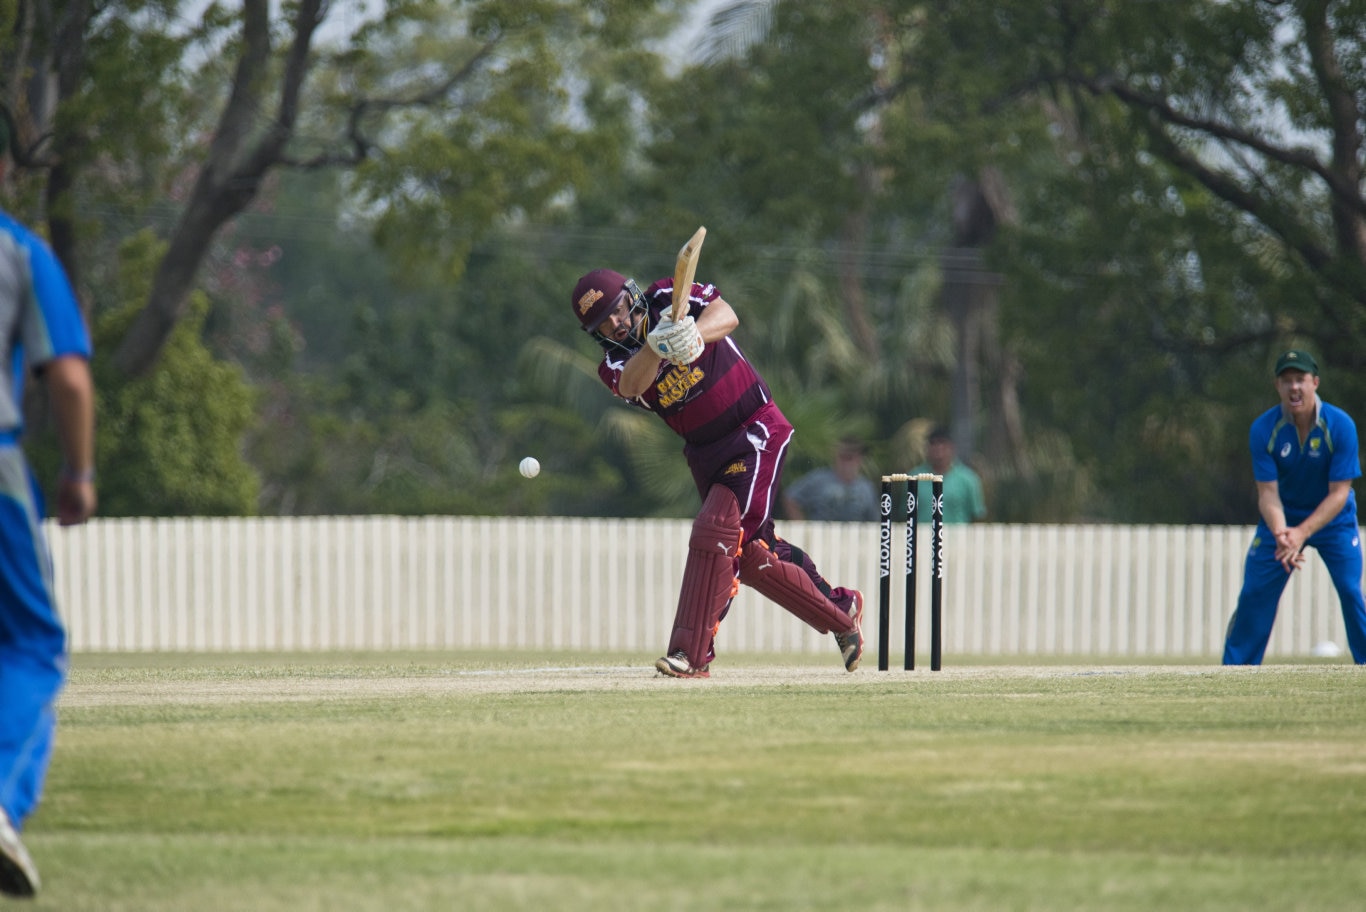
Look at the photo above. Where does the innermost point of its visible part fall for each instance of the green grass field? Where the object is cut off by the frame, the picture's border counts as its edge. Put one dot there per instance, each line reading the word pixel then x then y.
pixel 584 782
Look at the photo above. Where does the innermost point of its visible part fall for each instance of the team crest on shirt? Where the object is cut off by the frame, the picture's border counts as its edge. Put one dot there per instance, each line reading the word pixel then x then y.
pixel 735 468
pixel 1314 444
pixel 676 384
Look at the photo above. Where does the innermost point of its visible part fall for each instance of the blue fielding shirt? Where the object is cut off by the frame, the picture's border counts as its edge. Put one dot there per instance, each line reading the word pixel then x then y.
pixel 1303 473
pixel 39 315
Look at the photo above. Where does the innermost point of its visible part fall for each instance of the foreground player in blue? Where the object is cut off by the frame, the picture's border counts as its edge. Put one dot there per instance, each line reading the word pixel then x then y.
pixel 43 334
pixel 1304 459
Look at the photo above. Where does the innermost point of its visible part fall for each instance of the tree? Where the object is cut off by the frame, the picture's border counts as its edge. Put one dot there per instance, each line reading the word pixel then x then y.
pixel 434 130
pixel 168 443
pixel 450 115
pixel 1175 224
pixel 1208 211
pixel 801 143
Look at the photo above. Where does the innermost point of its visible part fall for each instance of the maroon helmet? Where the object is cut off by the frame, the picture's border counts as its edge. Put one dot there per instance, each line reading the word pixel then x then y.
pixel 595 295
pixel 593 298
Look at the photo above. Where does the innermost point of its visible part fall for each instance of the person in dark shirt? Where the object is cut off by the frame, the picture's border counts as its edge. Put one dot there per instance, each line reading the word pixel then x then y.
pixel 839 492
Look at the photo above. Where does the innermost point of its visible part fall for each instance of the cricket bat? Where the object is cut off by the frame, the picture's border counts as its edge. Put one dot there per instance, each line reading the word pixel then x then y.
pixel 684 270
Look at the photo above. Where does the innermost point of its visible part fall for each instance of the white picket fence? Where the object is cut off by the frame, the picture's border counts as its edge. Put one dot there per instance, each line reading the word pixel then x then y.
pixel 367 583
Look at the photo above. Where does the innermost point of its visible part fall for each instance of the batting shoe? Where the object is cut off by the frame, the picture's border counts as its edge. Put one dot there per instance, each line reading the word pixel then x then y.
pixel 18 874
pixel 851 643
pixel 676 665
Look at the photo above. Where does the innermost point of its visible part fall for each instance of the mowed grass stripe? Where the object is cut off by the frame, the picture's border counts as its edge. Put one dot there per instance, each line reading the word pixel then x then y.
pixel 988 788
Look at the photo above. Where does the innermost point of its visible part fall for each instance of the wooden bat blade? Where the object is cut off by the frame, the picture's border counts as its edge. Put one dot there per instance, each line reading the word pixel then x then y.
pixel 684 270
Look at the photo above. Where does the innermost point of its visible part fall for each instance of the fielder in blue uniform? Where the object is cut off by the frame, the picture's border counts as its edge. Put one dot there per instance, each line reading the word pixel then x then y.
pixel 43 333
pixel 1304 459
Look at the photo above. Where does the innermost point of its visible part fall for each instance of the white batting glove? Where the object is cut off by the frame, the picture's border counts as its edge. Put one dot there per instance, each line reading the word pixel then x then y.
pixel 679 342
pixel 690 346
pixel 661 338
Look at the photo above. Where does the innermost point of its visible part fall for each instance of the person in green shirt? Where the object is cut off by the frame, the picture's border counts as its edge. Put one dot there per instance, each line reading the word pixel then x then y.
pixel 963 500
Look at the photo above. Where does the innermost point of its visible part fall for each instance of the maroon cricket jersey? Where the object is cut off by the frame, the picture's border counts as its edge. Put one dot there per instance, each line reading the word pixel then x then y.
pixel 722 408
pixel 702 401
pixel 735 437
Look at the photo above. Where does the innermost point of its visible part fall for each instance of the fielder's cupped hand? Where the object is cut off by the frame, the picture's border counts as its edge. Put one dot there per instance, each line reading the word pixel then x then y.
pixel 679 342
pixel 1290 550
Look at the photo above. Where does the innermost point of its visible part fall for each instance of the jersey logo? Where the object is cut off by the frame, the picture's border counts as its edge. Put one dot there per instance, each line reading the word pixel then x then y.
pixel 590 297
pixel 676 384
pixel 1285 450
pixel 735 468
pixel 1314 445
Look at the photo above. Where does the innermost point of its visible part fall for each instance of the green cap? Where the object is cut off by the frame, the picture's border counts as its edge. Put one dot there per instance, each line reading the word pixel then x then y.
pixel 1297 360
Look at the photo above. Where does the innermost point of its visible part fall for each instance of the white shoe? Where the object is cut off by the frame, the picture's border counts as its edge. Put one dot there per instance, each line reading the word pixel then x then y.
pixel 18 874
pixel 676 665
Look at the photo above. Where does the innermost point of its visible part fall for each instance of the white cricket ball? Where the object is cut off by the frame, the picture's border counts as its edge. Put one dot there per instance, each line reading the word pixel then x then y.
pixel 1327 650
pixel 529 467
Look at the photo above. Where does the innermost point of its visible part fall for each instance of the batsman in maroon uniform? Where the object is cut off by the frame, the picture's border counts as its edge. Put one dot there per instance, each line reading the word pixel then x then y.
pixel 693 375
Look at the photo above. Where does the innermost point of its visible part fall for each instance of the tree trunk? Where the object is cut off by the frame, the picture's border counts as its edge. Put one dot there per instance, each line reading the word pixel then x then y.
pixel 238 160
pixel 971 298
pixel 851 293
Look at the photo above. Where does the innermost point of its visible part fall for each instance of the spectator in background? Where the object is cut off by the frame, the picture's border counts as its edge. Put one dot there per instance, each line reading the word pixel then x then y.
pixel 963 500
pixel 837 493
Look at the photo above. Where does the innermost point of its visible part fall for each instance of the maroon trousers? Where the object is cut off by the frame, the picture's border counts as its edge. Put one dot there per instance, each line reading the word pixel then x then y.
pixel 748 463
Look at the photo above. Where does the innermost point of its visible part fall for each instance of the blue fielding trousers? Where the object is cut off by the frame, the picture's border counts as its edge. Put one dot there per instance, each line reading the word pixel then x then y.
pixel 33 658
pixel 1264 579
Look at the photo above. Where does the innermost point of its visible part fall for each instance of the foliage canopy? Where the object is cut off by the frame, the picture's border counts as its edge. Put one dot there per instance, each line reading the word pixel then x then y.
pixel 1079 229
